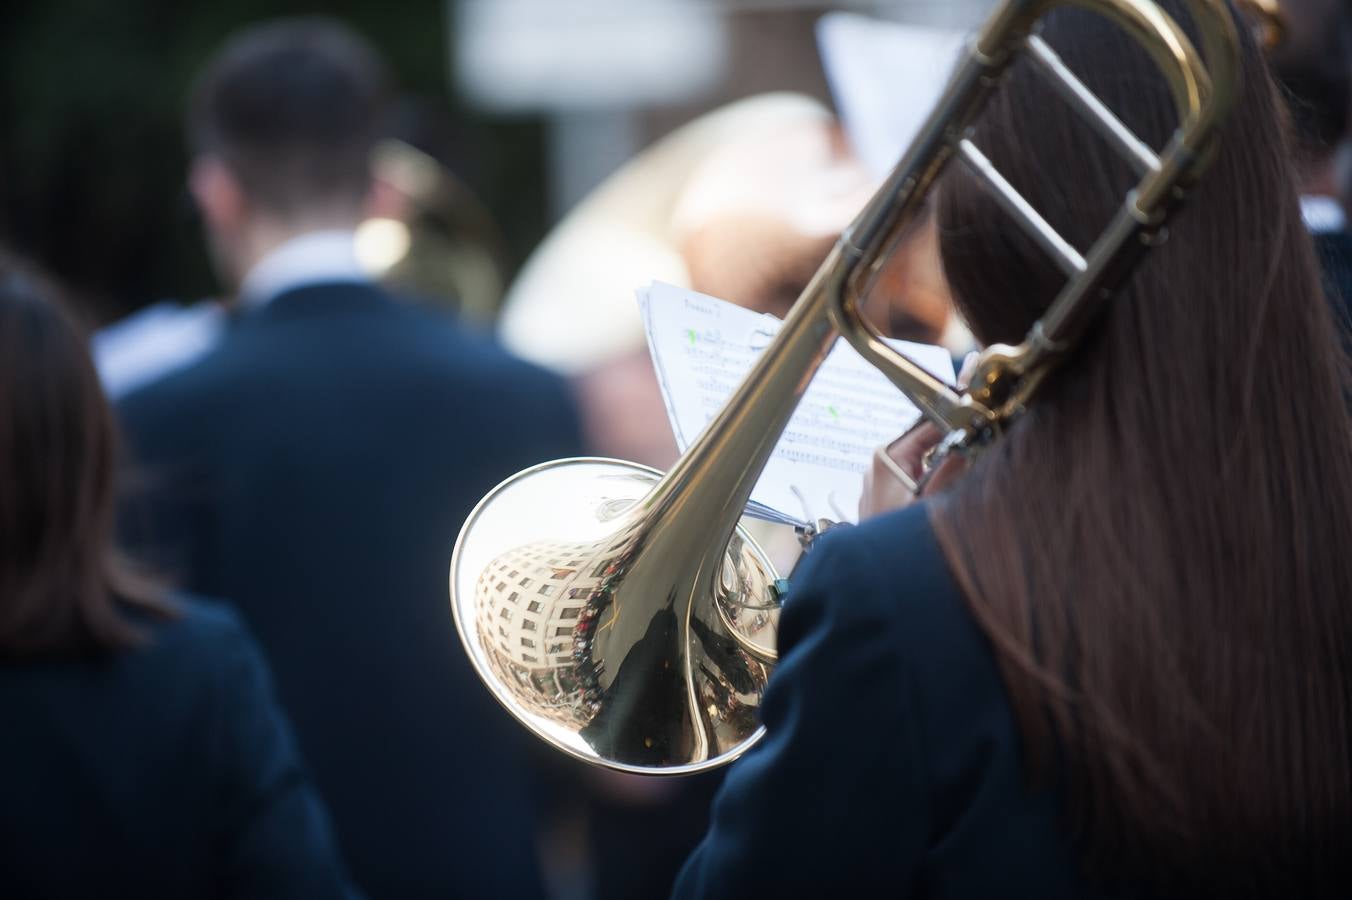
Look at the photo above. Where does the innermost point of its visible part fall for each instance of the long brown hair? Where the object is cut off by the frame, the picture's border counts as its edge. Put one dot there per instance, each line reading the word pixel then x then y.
pixel 1160 549
pixel 63 589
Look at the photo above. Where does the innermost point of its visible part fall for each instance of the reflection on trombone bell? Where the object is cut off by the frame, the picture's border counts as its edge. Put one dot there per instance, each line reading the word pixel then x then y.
pixel 548 613
pixel 666 635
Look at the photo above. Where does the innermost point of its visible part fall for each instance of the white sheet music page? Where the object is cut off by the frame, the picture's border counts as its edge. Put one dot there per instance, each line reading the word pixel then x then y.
pixel 885 78
pixel 702 347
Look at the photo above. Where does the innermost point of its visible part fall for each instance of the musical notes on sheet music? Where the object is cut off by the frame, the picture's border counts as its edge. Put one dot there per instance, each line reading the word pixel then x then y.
pixel 702 347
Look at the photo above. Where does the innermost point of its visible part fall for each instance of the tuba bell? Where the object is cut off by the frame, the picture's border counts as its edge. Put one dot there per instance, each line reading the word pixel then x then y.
pixel 623 615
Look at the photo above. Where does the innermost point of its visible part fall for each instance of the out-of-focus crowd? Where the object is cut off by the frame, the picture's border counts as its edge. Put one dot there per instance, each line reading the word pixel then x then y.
pixel 227 662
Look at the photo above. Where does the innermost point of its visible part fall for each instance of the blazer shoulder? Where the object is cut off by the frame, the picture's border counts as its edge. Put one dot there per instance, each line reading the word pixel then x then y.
pixel 203 636
pixel 836 791
pixel 206 667
pixel 201 621
pixel 199 634
pixel 887 572
pixel 161 402
pixel 876 619
pixel 476 348
pixel 470 356
pixel 231 732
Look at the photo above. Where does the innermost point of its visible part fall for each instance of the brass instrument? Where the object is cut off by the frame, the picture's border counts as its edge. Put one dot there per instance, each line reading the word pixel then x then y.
pixel 1267 21
pixel 441 245
pixel 624 616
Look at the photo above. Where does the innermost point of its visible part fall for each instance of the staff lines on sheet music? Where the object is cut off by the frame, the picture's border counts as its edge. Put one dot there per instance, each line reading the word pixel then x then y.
pixel 822 442
pixel 702 349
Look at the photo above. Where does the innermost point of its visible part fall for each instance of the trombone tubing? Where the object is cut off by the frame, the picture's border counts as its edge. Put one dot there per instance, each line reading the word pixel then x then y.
pixel 1202 96
pixel 712 482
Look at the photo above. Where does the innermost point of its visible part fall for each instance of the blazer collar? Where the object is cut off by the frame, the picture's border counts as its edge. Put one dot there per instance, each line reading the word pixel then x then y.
pixel 320 299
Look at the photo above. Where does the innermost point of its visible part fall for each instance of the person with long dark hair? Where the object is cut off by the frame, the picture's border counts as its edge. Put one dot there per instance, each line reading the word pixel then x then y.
pixel 1113 657
pixel 142 753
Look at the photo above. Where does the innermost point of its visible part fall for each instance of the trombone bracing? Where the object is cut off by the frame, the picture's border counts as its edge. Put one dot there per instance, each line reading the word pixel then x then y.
pixel 623 615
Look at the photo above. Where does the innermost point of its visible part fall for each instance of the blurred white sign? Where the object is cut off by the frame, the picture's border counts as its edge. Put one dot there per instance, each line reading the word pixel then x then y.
pixel 553 55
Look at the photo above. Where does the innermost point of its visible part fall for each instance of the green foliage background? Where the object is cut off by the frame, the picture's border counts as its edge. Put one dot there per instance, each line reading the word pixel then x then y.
pixel 91 157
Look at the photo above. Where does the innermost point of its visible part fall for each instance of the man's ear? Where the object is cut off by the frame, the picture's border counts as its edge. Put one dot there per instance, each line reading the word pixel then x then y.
pixel 218 194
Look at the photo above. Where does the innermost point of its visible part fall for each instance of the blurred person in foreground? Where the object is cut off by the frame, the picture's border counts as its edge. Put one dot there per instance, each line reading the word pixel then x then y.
pixel 1111 657
pixel 145 753
pixel 314 469
pixel 1313 67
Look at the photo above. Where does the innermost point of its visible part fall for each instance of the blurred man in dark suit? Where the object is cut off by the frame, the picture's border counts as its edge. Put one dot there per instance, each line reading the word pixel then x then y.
pixel 1313 65
pixel 315 464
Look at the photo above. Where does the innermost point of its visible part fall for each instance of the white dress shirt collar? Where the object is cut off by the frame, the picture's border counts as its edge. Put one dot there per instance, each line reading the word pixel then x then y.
pixel 1322 215
pixel 317 257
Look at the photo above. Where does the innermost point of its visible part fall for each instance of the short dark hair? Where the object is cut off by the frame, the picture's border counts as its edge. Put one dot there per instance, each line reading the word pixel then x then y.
pixel 1313 67
pixel 293 108
pixel 63 589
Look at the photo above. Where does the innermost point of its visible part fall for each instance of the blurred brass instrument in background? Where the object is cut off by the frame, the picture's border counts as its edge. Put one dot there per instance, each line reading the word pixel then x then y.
pixel 437 242
pixel 1265 16
pixel 624 616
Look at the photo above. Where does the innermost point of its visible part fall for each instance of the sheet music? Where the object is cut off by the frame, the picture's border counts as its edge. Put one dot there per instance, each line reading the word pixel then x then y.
pixel 885 78
pixel 702 347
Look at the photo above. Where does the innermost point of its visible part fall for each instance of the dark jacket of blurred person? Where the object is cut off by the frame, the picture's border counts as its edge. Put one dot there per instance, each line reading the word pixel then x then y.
pixel 145 754
pixel 1313 66
pixel 315 467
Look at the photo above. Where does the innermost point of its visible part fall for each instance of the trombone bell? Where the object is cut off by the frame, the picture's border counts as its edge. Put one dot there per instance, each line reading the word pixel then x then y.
pixel 578 649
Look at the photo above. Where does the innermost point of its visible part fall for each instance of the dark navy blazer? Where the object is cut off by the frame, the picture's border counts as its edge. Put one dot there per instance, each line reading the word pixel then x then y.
pixel 892 765
pixel 314 470
pixel 168 771
pixel 1334 251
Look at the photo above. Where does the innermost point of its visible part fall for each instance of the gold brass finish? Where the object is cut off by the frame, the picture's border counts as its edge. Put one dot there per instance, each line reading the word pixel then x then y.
pixel 1268 22
pixel 650 652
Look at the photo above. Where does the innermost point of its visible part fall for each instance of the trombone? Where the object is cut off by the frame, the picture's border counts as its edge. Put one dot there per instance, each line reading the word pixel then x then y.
pixel 623 615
